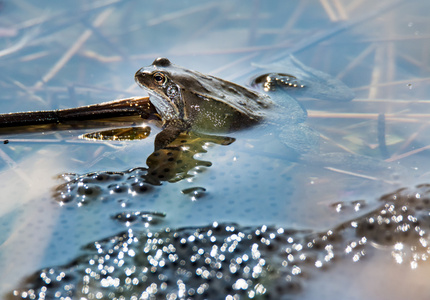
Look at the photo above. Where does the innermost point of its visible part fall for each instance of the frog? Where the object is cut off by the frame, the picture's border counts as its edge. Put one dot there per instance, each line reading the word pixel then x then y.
pixel 188 100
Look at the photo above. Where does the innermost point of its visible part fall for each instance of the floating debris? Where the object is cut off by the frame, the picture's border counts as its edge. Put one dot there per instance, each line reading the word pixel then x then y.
pixel 194 192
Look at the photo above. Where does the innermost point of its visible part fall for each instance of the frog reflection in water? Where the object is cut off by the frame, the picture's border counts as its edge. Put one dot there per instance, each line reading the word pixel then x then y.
pixel 188 100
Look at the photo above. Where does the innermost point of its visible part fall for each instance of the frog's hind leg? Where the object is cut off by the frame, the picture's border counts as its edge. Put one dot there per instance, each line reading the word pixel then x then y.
pixel 300 137
pixel 293 111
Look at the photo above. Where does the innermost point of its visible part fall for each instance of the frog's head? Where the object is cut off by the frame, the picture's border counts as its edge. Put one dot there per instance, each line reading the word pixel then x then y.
pixel 164 93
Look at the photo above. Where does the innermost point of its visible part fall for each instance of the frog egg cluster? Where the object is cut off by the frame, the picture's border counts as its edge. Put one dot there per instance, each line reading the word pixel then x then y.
pixel 83 189
pixel 228 261
pixel 145 217
pixel 218 261
pixel 402 224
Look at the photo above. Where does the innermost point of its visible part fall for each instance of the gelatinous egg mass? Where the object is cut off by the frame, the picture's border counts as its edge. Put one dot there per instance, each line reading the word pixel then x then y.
pixel 229 261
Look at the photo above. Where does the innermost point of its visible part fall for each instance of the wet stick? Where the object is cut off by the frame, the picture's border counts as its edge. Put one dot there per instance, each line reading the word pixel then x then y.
pixel 118 108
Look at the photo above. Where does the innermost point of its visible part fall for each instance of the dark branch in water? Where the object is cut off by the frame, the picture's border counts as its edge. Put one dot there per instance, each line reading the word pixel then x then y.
pixel 118 108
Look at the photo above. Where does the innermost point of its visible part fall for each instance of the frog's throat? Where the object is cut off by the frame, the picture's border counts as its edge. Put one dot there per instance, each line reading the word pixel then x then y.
pixel 165 108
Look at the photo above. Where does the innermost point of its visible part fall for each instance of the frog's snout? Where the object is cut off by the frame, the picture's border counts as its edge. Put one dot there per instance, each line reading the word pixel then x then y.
pixel 139 77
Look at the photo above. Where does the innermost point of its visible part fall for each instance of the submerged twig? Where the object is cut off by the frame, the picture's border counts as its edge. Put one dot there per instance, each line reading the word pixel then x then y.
pixel 358 175
pixel 381 136
pixel 405 82
pixel 72 50
pixel 408 118
pixel 324 137
pixel 341 11
pixel 329 10
pixel 356 61
pixel 411 138
pixel 404 155
pixel 180 14
pixel 13 165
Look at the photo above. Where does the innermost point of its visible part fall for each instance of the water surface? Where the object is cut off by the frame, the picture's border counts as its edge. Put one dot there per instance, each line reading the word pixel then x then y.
pixel 78 53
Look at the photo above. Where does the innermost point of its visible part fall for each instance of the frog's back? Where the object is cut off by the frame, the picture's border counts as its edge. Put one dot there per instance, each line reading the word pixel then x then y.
pixel 251 103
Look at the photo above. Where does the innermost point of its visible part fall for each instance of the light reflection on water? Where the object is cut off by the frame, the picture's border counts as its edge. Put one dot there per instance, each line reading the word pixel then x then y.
pixel 250 181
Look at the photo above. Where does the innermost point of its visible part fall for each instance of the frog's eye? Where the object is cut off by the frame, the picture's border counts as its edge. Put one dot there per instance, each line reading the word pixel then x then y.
pixel 159 78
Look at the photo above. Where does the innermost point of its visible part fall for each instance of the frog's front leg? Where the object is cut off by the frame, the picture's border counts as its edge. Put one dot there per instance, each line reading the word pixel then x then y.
pixel 171 130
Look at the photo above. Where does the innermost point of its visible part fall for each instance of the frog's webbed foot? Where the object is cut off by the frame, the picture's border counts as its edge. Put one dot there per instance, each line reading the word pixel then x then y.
pixel 171 131
pixel 304 80
pixel 270 81
pixel 300 137
pixel 293 112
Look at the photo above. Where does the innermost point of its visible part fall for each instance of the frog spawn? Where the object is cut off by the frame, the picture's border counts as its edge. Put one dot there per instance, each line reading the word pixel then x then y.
pixel 402 225
pixel 83 189
pixel 171 164
pixel 145 217
pixel 199 263
pixel 232 262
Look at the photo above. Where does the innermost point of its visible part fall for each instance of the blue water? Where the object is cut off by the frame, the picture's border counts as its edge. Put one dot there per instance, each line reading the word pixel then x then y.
pixel 59 56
